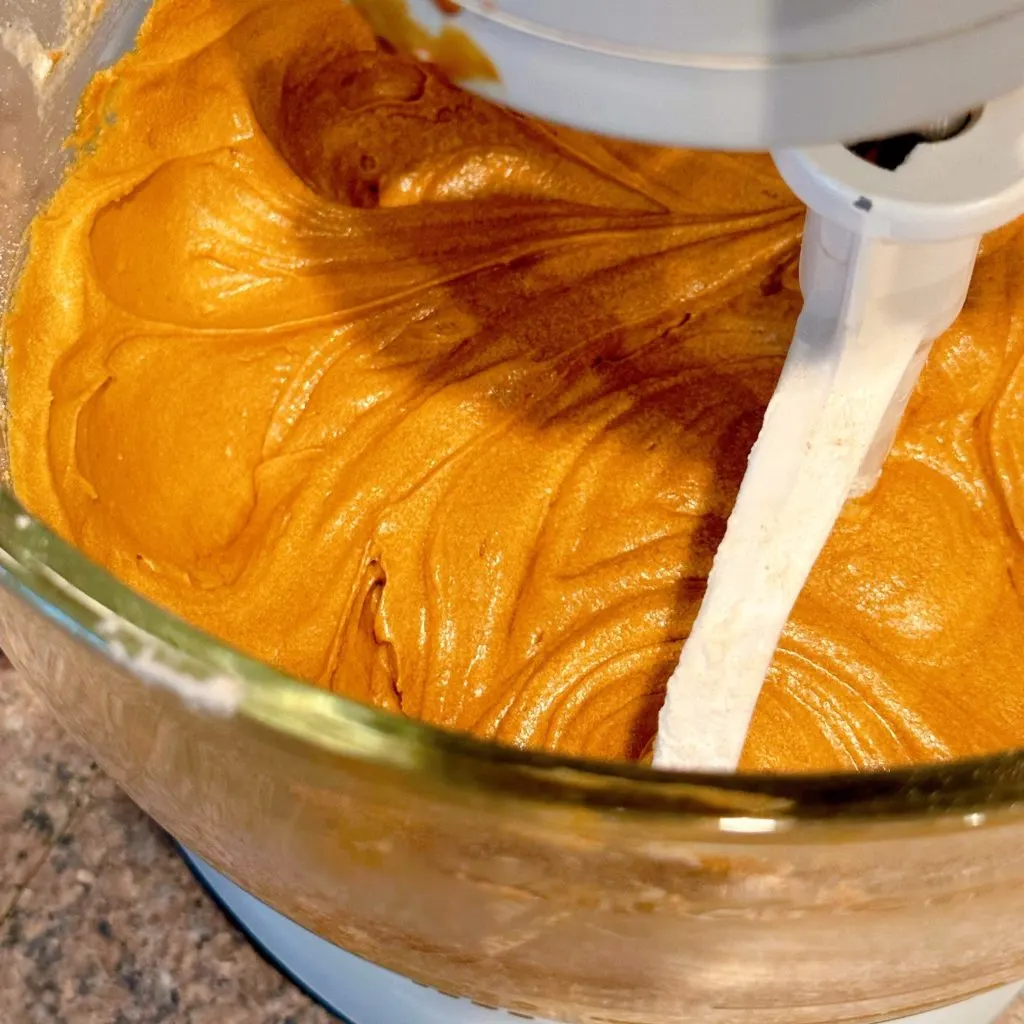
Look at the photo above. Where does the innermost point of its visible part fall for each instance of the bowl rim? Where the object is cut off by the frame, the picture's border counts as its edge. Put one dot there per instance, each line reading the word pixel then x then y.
pixel 128 630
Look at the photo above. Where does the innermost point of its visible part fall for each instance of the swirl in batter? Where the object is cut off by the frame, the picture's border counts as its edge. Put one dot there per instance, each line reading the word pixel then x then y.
pixel 445 409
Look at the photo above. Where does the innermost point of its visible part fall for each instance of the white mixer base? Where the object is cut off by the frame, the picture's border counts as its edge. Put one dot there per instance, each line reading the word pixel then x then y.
pixel 359 992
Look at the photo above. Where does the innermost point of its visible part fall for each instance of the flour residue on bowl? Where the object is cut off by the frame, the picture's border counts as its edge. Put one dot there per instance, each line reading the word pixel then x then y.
pixel 218 694
pixel 21 42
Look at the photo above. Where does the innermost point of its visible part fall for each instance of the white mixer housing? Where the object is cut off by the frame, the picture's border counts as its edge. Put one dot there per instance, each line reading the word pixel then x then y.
pixel 743 74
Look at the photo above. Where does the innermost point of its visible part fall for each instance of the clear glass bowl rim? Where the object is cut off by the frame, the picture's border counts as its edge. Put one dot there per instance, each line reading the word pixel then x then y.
pixel 76 595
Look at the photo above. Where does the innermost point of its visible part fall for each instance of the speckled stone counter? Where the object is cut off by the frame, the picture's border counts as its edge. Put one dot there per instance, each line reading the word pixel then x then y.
pixel 100 922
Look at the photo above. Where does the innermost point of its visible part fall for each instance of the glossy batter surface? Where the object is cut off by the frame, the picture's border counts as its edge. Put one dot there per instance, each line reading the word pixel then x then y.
pixel 446 409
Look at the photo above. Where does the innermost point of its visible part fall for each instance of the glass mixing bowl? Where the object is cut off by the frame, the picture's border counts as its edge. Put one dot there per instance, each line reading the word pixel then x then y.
pixel 554 887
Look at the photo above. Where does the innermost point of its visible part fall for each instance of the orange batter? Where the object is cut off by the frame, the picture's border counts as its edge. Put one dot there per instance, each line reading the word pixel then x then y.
pixel 445 409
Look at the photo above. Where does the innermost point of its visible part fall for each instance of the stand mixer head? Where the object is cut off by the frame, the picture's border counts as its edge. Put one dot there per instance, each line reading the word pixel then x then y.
pixel 741 74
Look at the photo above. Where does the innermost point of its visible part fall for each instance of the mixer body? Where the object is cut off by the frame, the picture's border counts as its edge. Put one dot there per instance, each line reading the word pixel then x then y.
pixel 747 74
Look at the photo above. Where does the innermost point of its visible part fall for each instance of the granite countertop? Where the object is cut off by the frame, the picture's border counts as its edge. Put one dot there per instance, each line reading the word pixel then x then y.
pixel 100 921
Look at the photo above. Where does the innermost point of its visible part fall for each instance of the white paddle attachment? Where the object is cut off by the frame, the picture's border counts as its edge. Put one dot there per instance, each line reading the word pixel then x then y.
pixel 887 259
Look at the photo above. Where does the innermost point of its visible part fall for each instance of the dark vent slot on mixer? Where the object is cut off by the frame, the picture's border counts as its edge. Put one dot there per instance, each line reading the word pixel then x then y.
pixel 893 152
